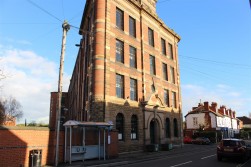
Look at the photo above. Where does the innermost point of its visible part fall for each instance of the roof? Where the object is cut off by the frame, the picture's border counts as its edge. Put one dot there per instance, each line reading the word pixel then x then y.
pixel 88 124
pixel 202 110
pixel 245 120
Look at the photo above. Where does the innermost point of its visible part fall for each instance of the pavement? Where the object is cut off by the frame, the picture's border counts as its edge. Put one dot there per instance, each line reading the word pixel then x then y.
pixel 131 157
pixel 135 157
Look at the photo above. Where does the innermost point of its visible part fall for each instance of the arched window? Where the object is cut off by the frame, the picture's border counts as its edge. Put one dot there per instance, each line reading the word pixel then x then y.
pixel 168 134
pixel 175 127
pixel 134 127
pixel 120 126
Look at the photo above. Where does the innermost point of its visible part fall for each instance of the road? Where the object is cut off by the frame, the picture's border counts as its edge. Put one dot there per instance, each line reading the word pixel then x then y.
pixel 205 156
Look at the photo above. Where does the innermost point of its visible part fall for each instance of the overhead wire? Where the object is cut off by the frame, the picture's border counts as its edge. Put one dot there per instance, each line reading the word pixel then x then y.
pixel 36 5
pixel 217 62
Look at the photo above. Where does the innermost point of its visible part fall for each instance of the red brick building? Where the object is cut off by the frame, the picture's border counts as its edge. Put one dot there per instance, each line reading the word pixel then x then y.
pixel 127 72
pixel 53 109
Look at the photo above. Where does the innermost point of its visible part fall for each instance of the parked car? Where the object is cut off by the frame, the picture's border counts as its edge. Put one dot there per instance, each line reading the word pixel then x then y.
pixel 232 148
pixel 201 140
pixel 187 140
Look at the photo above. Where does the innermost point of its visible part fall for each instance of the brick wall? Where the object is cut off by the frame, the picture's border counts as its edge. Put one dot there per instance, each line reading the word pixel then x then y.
pixel 17 142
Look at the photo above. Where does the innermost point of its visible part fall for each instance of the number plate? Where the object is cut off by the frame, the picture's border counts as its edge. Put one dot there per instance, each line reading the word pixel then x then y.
pixel 228 150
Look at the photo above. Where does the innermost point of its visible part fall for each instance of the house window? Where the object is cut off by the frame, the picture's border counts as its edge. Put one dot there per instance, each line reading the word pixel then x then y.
pixel 132 26
pixel 119 18
pixel 120 126
pixel 152 65
pixel 175 127
pixel 172 75
pixel 133 89
pixel 133 61
pixel 119 51
pixel 152 88
pixel 134 127
pixel 168 134
pixel 195 121
pixel 119 86
pixel 174 100
pixel 164 71
pixel 166 97
pixel 150 37
pixel 163 46
pixel 170 50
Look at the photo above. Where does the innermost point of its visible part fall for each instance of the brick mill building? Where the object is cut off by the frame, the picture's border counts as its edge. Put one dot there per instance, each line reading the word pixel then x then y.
pixel 127 72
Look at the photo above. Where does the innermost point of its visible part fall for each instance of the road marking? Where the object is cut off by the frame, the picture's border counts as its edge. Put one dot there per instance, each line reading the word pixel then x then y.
pixel 111 164
pixel 182 164
pixel 240 165
pixel 208 156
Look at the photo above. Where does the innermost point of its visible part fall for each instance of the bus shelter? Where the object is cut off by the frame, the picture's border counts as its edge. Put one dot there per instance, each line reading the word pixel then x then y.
pixel 75 153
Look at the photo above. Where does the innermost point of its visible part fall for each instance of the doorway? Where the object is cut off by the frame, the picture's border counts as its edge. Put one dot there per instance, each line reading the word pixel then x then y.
pixel 154 132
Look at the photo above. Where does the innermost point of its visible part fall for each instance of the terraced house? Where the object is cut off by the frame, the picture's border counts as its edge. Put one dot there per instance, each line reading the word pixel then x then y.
pixel 127 72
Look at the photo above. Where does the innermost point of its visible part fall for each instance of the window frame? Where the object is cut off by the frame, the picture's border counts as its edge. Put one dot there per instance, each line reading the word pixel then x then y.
pixel 134 127
pixel 172 75
pixel 174 103
pixel 166 97
pixel 132 27
pixel 164 71
pixel 163 46
pixel 133 89
pixel 152 65
pixel 120 92
pixel 150 37
pixel 119 19
pixel 133 56
pixel 168 128
pixel 175 128
pixel 170 50
pixel 119 51
pixel 120 126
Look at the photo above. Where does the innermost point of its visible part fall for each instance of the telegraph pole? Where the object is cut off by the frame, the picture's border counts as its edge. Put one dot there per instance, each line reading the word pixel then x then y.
pixel 65 27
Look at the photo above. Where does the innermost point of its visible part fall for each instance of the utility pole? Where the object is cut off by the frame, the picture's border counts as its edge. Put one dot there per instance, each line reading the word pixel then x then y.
pixel 65 27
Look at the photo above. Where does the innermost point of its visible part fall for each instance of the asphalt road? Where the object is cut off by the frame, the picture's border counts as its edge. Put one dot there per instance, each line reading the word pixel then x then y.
pixel 205 156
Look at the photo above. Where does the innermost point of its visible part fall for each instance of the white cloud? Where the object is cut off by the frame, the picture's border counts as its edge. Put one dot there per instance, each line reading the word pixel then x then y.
pixel 31 79
pixel 221 94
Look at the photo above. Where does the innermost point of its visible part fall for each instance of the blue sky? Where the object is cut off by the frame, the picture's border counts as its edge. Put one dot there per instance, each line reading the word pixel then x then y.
pixel 214 51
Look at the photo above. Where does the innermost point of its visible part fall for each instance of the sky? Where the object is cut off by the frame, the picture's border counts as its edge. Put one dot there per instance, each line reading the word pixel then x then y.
pixel 214 51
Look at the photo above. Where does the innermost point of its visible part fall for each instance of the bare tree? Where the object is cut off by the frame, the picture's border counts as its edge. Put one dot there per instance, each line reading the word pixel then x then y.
pixel 12 109
pixel 2 115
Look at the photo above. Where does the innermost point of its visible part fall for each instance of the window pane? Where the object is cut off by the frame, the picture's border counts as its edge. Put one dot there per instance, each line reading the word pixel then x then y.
pixel 120 126
pixel 168 135
pixel 174 100
pixel 150 37
pixel 166 97
pixel 175 127
pixel 120 19
pixel 152 65
pixel 164 71
pixel 132 26
pixel 134 127
pixel 163 46
pixel 133 89
pixel 119 86
pixel 119 51
pixel 132 57
pixel 172 75
pixel 170 50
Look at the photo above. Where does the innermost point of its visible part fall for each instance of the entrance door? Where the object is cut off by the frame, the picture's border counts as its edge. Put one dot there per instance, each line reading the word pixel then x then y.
pixel 152 134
